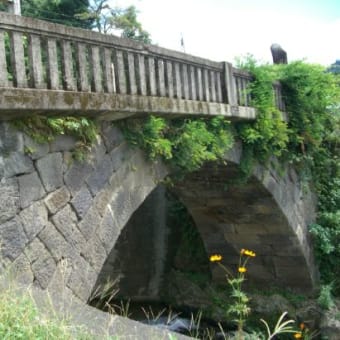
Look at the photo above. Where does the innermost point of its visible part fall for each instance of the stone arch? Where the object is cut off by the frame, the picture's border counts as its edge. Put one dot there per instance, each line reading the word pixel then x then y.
pixel 62 217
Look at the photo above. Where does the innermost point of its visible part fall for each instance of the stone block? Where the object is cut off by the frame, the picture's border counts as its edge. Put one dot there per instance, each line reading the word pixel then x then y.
pixel 97 153
pixel 60 278
pixel 95 253
pixel 76 175
pixel 65 221
pixel 34 219
pixel 13 239
pixel 50 169
pixel 35 150
pixel 82 201
pixel 102 200
pixel 9 198
pixel 82 278
pixel 108 231
pixel 30 189
pixel 56 200
pixel 17 164
pixel 10 139
pixel 55 243
pixel 100 176
pixel 120 205
pixel 89 223
pixel 42 263
pixel 112 136
pixel 121 154
pixel 21 271
pixel 63 143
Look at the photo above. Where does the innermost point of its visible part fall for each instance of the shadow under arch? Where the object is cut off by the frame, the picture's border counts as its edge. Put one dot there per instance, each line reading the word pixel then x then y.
pixel 159 237
pixel 268 214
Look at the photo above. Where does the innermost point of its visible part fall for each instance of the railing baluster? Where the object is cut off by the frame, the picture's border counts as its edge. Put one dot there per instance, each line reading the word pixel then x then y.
pixel 178 82
pixel 200 84
pixel 213 86
pixel 120 72
pixel 230 84
pixel 141 79
pixel 82 65
pixel 35 62
pixel 219 88
pixel 161 78
pixel 206 86
pixel 192 81
pixel 170 79
pixel 109 78
pixel 3 62
pixel 152 76
pixel 132 73
pixel 67 62
pixel 52 64
pixel 185 81
pixel 18 59
pixel 96 69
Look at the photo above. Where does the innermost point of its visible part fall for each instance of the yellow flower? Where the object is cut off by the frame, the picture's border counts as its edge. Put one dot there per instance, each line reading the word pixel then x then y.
pixel 242 269
pixel 215 258
pixel 298 335
pixel 248 252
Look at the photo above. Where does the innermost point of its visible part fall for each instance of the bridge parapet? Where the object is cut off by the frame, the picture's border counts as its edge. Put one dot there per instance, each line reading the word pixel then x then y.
pixel 39 55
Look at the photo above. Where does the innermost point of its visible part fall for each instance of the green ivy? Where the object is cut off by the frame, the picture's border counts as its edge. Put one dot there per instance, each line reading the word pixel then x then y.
pixel 309 141
pixel 185 144
pixel 268 135
pixel 45 129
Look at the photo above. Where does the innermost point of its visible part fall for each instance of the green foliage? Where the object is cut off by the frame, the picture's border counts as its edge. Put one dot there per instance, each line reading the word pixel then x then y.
pixel 21 319
pixel 268 135
pixel 64 12
pixel 183 143
pixel 126 20
pixel 45 129
pixel 325 299
pixel 309 141
pixel 107 19
pixel 190 255
pixel 282 326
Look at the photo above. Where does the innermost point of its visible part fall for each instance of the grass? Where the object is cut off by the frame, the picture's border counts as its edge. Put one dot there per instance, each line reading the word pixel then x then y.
pixel 20 318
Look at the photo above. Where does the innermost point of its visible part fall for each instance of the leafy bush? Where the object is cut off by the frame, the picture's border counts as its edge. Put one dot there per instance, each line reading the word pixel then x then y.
pixel 183 143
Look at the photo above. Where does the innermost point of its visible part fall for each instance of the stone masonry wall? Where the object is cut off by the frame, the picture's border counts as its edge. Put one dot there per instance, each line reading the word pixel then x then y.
pixel 60 218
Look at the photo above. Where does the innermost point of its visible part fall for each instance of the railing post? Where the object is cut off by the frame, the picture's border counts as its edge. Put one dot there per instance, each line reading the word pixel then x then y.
pixel 3 63
pixel 229 84
pixel 35 63
pixel 18 59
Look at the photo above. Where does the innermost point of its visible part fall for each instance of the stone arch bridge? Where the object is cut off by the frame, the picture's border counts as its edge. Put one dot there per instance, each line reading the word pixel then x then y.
pixel 60 219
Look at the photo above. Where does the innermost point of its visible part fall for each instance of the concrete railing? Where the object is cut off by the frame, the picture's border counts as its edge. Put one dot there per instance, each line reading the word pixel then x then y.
pixel 41 55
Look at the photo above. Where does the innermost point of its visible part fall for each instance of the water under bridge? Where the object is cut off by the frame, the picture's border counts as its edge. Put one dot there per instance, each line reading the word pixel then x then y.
pixel 55 209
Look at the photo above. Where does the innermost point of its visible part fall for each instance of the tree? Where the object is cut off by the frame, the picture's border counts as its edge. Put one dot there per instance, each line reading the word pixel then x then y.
pixel 126 20
pixel 335 68
pixel 110 20
pixel 66 12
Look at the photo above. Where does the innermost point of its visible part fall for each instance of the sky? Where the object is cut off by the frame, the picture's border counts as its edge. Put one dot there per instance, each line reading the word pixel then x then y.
pixel 222 30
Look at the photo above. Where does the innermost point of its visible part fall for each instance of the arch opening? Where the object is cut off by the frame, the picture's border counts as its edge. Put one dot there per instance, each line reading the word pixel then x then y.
pixel 159 241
